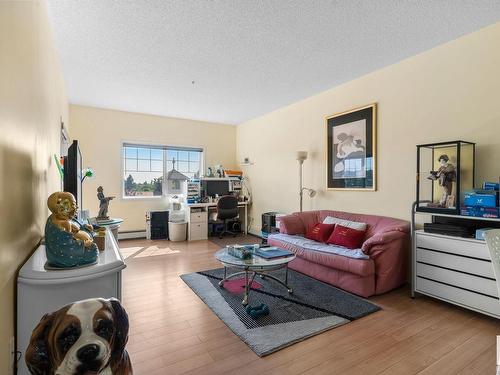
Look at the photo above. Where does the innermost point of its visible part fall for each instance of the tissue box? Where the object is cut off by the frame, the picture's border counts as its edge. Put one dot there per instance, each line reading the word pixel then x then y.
pixel 481 198
pixel 486 212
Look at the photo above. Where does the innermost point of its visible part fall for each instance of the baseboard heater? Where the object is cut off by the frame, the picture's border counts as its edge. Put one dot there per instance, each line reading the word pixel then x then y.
pixel 130 234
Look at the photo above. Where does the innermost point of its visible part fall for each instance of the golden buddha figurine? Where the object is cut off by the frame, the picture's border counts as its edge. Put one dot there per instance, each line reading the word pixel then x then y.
pixel 67 243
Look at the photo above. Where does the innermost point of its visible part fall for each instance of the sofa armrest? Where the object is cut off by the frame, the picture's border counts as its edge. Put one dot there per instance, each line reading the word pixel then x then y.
pixel 292 224
pixel 378 240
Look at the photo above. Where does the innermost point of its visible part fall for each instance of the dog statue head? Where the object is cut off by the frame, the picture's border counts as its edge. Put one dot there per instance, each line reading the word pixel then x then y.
pixel 82 338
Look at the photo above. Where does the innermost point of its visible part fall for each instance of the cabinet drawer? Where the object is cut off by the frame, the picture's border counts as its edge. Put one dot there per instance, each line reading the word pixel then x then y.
pixel 456 262
pixel 460 246
pixel 458 296
pixel 462 280
pixel 198 231
pixel 199 217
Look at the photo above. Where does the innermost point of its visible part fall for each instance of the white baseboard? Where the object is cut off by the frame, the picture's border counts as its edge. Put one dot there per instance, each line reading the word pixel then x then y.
pixel 255 233
pixel 131 234
pixel 128 235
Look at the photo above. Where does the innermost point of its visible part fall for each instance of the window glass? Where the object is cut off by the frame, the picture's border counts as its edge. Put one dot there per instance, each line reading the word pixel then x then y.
pixel 144 169
pixel 144 153
pixel 184 155
pixel 143 165
pixel 156 154
pixel 131 164
pixel 131 152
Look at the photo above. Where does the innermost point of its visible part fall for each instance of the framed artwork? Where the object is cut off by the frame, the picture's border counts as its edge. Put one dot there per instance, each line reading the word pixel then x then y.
pixel 351 149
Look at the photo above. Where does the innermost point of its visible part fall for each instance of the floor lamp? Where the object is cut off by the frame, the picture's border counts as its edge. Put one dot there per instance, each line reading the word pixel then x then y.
pixel 301 157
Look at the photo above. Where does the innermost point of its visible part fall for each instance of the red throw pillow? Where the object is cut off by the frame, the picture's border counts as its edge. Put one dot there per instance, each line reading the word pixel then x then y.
pixel 320 232
pixel 347 237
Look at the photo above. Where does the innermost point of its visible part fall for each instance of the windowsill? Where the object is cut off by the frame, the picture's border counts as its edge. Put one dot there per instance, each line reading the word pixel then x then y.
pixel 136 198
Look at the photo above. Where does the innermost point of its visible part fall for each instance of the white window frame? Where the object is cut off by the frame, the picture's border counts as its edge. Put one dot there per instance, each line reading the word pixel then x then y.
pixel 165 161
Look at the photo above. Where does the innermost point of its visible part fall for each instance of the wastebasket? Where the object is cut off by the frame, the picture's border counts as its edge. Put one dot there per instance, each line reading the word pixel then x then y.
pixel 177 231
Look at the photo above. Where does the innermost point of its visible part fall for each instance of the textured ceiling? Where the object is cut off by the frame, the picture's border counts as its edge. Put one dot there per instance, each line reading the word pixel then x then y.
pixel 246 57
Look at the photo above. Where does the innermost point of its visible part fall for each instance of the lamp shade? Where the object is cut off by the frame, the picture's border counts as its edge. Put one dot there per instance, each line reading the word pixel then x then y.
pixel 301 155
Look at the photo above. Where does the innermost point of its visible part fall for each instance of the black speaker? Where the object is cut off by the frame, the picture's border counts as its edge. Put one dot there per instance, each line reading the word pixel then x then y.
pixel 268 222
pixel 159 225
pixel 234 226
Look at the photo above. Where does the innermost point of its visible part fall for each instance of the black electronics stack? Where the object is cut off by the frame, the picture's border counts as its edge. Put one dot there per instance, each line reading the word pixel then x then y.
pixel 268 225
pixel 159 225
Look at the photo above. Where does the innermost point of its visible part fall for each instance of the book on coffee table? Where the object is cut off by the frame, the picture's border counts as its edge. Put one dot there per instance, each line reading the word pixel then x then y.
pixel 272 253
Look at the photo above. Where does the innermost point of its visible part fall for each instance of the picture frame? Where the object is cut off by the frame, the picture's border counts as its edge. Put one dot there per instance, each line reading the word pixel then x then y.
pixel 351 149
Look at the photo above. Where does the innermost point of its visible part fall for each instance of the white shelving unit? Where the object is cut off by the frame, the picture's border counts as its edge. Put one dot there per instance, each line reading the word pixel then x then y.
pixel 454 269
pixel 41 291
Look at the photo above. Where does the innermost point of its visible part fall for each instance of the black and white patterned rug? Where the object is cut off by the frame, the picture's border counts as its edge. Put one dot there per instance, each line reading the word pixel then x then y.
pixel 312 308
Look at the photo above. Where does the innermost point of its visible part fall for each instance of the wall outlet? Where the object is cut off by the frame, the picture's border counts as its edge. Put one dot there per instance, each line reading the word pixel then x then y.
pixel 12 355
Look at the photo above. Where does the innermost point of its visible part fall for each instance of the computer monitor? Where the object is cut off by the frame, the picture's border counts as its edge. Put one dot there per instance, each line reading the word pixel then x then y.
pixel 215 187
pixel 73 173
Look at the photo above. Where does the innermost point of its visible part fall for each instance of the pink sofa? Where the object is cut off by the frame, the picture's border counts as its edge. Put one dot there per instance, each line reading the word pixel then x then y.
pixel 385 250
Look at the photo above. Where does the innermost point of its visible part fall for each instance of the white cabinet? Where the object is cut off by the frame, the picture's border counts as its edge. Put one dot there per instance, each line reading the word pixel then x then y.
pixel 198 224
pixel 40 291
pixel 456 270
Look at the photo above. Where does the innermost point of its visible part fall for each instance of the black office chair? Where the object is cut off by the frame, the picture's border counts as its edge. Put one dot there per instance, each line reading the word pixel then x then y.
pixel 227 209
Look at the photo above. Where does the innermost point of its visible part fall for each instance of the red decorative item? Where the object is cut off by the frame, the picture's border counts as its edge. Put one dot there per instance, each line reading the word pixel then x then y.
pixel 347 237
pixel 237 286
pixel 320 232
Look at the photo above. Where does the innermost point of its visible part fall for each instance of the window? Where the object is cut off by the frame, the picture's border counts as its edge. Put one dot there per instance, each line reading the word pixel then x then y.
pixel 145 168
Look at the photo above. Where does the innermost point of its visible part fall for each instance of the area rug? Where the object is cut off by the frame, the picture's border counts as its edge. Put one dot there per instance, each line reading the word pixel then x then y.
pixel 314 307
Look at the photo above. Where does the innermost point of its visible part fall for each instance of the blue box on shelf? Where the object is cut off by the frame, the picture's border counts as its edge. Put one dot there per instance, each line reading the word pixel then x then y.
pixel 481 198
pixel 480 233
pixel 491 185
pixel 486 212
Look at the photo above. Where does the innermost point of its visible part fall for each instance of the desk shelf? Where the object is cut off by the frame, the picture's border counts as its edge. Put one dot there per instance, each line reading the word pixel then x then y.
pixel 198 219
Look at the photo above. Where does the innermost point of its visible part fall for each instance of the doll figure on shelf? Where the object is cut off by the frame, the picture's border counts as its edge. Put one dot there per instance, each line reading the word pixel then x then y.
pixel 103 204
pixel 67 244
pixel 445 175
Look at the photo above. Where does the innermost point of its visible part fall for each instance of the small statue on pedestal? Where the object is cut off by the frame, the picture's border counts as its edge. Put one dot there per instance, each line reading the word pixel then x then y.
pixel 67 244
pixel 445 175
pixel 103 204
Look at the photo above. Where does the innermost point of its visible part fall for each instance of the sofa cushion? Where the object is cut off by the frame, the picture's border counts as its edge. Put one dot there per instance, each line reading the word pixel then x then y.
pixel 376 224
pixel 345 223
pixel 346 237
pixel 291 224
pixel 320 232
pixel 354 261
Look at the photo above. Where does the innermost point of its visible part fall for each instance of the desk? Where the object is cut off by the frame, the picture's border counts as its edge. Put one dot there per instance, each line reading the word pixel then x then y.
pixel 198 220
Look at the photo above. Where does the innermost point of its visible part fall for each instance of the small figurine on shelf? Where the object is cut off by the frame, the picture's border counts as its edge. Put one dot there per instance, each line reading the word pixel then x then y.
pixel 103 204
pixel 219 171
pixel 445 175
pixel 66 243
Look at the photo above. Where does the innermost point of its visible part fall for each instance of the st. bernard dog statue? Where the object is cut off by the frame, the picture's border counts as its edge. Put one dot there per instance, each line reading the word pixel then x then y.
pixel 82 338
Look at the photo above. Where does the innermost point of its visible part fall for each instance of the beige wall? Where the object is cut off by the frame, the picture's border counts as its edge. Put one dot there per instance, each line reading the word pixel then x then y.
pixel 32 99
pixel 101 133
pixel 447 93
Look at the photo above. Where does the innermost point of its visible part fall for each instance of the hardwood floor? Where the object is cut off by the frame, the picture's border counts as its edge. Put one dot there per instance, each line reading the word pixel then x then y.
pixel 174 332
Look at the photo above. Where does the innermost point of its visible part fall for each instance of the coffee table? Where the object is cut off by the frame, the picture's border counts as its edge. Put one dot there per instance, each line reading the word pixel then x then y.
pixel 252 267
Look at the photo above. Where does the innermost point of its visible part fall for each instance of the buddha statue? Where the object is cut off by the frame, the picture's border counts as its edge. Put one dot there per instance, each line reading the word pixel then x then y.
pixel 67 244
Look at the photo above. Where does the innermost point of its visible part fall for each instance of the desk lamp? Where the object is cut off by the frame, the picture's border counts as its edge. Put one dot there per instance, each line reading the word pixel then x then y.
pixel 301 157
